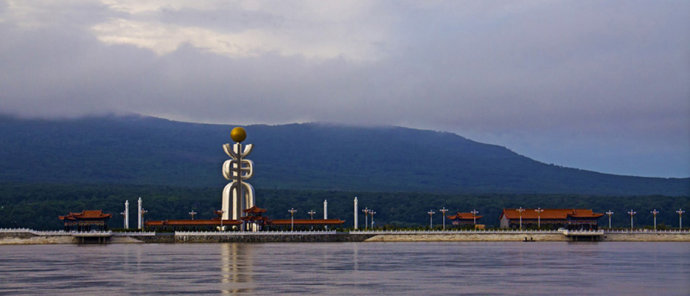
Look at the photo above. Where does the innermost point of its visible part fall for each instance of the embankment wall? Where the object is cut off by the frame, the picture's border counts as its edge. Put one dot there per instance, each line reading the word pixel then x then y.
pixel 647 237
pixel 468 237
pixel 33 237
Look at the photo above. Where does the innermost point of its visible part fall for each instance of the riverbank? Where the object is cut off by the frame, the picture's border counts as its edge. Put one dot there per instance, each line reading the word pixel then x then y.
pixel 27 236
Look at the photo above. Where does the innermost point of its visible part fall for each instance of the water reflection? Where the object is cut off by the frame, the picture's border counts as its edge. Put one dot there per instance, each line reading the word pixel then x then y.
pixel 355 257
pixel 348 268
pixel 236 268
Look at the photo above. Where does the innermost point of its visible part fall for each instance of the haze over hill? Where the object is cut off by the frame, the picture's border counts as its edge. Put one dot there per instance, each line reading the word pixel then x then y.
pixel 146 150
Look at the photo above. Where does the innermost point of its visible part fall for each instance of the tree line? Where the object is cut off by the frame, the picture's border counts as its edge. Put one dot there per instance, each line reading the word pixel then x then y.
pixel 38 206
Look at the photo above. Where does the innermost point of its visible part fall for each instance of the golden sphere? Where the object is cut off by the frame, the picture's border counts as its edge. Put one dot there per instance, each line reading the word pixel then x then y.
pixel 238 134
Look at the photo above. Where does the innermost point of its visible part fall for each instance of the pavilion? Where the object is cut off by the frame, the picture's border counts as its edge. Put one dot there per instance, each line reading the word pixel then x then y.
pixel 550 218
pixel 87 220
pixel 462 219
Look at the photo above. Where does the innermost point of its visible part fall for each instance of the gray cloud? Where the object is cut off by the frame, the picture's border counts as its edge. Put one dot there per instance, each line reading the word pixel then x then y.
pixel 574 83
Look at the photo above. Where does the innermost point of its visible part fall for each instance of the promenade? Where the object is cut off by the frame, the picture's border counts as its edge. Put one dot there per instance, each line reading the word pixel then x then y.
pixel 29 236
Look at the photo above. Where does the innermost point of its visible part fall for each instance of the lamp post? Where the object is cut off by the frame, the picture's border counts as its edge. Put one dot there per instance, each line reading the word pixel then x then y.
pixel 609 213
pixel 311 213
pixel 431 218
pixel 443 212
pixel 366 218
pixel 292 218
pixel 140 215
pixel 356 214
pixel 474 217
pixel 143 212
pixel 520 210
pixel 125 213
pixel 193 213
pixel 680 218
pixel 631 213
pixel 654 212
pixel 539 211
pixel 372 212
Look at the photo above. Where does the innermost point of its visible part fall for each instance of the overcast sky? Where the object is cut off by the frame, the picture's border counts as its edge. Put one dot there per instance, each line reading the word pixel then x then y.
pixel 597 85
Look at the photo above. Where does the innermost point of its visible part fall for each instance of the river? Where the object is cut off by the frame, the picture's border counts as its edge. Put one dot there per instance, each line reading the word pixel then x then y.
pixel 476 268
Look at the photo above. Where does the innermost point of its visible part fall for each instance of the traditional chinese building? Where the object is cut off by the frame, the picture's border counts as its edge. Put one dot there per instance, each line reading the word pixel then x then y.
pixel 461 219
pixel 185 224
pixel 551 218
pixel 254 219
pixel 303 224
pixel 87 220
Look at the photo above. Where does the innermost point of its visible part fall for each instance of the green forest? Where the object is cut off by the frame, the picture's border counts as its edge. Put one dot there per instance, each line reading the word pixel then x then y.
pixel 38 206
pixel 151 151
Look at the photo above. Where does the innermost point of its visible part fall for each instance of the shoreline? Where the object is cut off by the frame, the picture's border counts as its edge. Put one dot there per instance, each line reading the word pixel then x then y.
pixel 29 237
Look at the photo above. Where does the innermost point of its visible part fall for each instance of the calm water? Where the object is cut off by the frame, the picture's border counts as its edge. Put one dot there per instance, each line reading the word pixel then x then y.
pixel 349 268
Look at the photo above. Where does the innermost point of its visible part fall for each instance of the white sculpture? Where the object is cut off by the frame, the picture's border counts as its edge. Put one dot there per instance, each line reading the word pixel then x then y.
pixel 125 213
pixel 140 215
pixel 356 213
pixel 237 170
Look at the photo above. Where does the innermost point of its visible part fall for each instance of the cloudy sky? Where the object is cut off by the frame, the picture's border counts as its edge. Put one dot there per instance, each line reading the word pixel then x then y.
pixel 598 85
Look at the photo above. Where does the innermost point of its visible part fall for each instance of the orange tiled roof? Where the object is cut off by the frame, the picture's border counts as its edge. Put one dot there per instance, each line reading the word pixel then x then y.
pixel 464 216
pixel 307 222
pixel 551 214
pixel 254 218
pixel 255 210
pixel 200 222
pixel 86 214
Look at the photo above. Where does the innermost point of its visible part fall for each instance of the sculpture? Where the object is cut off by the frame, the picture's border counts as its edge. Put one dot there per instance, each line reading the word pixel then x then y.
pixel 237 170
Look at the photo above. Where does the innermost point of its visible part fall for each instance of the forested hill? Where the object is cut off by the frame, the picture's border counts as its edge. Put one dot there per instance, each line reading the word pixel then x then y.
pixel 145 150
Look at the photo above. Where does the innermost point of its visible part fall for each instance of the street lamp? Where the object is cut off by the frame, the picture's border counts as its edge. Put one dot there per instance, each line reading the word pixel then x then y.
pixel 443 211
pixel 292 218
pixel 366 218
pixel 654 212
pixel 539 211
pixel 474 217
pixel 431 218
pixel 520 210
pixel 311 213
pixel 631 213
pixel 680 218
pixel 372 212
pixel 192 213
pixel 143 211
pixel 610 213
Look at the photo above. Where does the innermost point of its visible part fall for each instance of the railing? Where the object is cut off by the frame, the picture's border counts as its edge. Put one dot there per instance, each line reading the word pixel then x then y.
pixel 318 232
pixel 640 231
pixel 67 233
pixel 135 233
pixel 567 232
pixel 12 230
pixel 478 231
pixel 245 233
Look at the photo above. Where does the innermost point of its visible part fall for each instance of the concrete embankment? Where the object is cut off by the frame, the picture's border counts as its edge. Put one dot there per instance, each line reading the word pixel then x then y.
pixel 30 237
pixel 537 236
pixel 192 237
pixel 56 237
pixel 647 237
pixel 38 240
pixel 469 237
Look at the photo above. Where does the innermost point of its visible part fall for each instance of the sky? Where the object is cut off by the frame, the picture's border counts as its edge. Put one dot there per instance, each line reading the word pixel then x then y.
pixel 596 85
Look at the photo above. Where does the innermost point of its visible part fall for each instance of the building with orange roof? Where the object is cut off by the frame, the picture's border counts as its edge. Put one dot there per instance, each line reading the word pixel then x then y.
pixel 550 218
pixel 303 223
pixel 87 220
pixel 461 219
pixel 253 221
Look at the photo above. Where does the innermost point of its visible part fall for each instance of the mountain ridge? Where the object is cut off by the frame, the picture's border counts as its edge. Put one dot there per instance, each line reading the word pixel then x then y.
pixel 138 149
